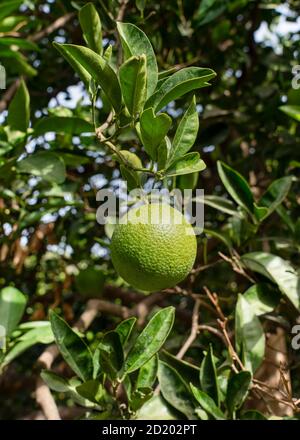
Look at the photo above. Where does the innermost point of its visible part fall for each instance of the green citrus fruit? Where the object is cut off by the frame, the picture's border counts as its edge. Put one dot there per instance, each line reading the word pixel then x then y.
pixel 90 282
pixel 153 247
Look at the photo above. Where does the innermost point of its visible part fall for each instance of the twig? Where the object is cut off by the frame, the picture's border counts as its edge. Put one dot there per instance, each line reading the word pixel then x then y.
pixel 60 22
pixel 213 330
pixel 8 95
pixel 194 331
pixel 45 399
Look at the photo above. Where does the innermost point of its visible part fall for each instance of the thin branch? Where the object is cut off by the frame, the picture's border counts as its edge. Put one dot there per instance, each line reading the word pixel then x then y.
pixel 45 399
pixel 194 331
pixel 60 22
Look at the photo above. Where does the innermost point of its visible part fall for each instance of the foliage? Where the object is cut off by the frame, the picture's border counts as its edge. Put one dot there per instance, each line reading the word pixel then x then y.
pixel 164 95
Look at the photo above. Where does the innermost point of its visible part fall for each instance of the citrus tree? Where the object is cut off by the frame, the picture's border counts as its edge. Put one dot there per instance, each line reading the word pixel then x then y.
pixel 143 320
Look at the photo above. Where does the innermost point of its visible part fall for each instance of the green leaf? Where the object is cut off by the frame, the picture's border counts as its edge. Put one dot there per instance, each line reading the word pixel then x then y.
pixel 133 82
pixel 73 349
pixel 48 166
pixel 291 110
pixel 8 24
pixel 91 27
pixel 19 109
pixel 129 161
pixel 40 335
pixel 153 129
pixel 188 372
pixel 278 270
pixel 147 374
pixel 220 235
pixel 189 163
pixel 75 64
pixel 237 390
pixel 7 7
pixel 249 335
pixel 186 133
pixel 178 84
pixel 135 42
pixel 12 307
pixel 275 194
pixel 220 203
pixel 156 409
pixel 236 186
pixel 187 181
pixel 262 297
pixel 150 340
pixel 19 42
pixel 100 71
pixel 208 376
pixel 55 382
pixel 163 152
pixel 175 390
pixel 125 328
pixel 111 354
pixel 207 403
pixel 91 390
pixel 59 124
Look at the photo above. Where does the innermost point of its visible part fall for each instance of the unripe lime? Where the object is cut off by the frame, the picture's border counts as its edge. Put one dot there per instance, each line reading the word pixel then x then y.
pixel 153 247
pixel 90 282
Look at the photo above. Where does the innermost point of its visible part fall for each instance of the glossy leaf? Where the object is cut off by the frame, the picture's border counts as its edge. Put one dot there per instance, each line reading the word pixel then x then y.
pixel 19 109
pixel 7 7
pixel 186 133
pixel 48 166
pixel 207 403
pixel 73 349
pixel 54 381
pixel 91 390
pixel 99 70
pixel 276 269
pixel 219 203
pixel 291 110
pixel 40 335
pixel 111 354
pixel 262 297
pixel 147 373
pixel 133 80
pixel 153 129
pixel 249 335
pixel 150 340
pixel 83 74
pixel 12 307
pixel 59 124
pixel 237 390
pixel 236 186
pixel 275 194
pixel 188 372
pixel 179 84
pixel 124 329
pixel 91 27
pixel 175 390
pixel 156 409
pixel 189 163
pixel 208 376
pixel 135 43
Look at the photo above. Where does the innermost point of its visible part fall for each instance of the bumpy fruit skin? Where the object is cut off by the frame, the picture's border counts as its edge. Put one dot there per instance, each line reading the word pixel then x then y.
pixel 155 249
